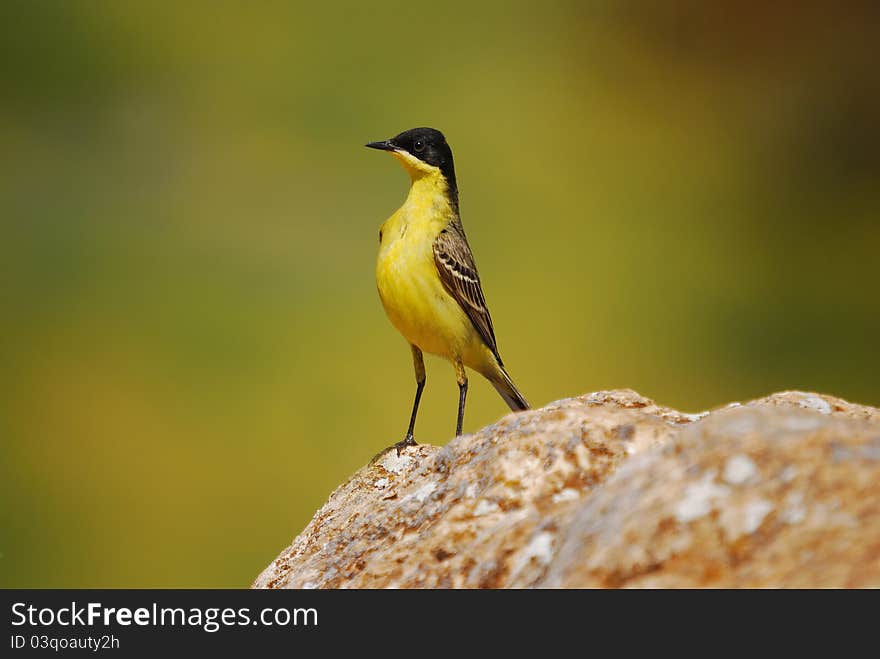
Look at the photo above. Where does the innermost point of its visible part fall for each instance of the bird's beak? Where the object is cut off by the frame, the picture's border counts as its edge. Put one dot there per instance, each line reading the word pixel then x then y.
pixel 384 145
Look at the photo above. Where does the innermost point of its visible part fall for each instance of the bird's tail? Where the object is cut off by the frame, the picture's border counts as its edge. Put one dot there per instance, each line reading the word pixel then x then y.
pixel 505 386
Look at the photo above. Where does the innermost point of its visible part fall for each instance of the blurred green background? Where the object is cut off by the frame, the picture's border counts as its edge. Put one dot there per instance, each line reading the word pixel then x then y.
pixel 677 197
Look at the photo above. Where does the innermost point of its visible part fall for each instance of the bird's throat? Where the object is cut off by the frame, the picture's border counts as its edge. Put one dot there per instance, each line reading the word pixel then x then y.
pixel 430 198
pixel 430 187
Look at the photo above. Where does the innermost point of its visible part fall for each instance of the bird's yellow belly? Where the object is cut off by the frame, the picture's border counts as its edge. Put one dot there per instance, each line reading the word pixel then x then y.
pixel 419 306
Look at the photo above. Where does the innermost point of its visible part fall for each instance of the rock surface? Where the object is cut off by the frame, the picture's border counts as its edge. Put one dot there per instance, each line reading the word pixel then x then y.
pixel 608 490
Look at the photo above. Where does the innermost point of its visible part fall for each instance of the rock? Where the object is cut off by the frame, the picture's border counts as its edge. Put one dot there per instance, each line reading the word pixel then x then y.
pixel 607 490
pixel 758 496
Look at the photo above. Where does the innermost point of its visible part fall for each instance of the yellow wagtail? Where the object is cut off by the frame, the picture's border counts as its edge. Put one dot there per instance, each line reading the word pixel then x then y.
pixel 427 277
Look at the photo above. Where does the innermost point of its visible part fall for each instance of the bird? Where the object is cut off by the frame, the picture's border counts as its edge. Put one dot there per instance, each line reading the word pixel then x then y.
pixel 427 277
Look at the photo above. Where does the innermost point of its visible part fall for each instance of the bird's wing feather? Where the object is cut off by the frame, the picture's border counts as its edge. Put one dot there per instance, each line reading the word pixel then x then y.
pixel 458 272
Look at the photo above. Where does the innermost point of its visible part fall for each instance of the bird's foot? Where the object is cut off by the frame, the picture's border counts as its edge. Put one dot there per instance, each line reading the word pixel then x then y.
pixel 402 444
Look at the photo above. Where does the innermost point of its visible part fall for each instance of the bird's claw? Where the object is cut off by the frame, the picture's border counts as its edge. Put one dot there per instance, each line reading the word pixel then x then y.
pixel 402 444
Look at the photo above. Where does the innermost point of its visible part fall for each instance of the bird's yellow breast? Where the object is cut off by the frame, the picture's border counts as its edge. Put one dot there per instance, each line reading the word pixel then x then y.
pixel 410 288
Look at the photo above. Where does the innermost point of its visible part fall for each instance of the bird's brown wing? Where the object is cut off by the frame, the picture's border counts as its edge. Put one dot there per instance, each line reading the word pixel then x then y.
pixel 458 272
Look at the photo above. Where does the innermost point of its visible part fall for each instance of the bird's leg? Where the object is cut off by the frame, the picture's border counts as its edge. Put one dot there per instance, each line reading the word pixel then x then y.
pixel 461 376
pixel 419 365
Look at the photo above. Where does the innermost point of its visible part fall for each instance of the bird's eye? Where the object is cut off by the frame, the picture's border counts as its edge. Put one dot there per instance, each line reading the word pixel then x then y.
pixel 418 146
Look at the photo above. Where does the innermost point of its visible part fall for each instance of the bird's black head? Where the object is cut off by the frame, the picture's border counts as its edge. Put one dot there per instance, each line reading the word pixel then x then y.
pixel 426 145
